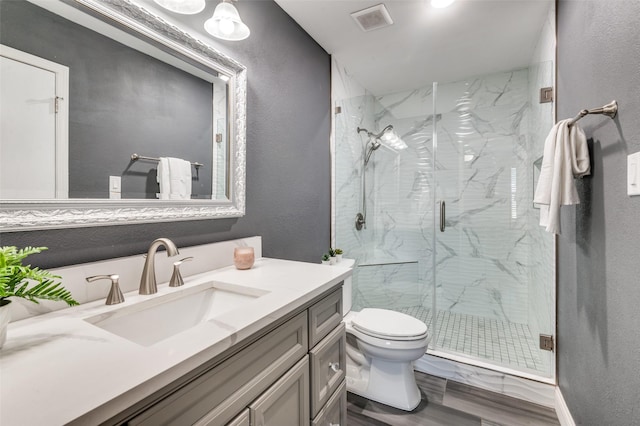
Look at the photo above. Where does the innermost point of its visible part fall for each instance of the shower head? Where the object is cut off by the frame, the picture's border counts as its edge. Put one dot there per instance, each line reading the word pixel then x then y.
pixel 386 137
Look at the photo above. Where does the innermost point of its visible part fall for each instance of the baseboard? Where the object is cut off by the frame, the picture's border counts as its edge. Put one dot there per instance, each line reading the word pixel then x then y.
pixel 562 410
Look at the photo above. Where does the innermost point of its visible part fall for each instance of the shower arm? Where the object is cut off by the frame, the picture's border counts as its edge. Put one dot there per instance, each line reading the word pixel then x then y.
pixel 375 136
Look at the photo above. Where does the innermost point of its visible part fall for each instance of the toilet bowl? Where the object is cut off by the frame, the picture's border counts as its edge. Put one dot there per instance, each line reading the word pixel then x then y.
pixel 381 348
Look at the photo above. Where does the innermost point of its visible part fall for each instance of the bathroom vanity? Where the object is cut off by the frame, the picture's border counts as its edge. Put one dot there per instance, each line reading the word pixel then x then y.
pixel 273 354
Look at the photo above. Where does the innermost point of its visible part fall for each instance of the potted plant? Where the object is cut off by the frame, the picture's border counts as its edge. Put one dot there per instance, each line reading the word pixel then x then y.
pixel 16 280
pixel 325 259
pixel 332 254
pixel 339 254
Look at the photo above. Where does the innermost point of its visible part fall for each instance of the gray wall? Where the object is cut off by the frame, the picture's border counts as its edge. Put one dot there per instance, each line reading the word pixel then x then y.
pixel 288 159
pixel 599 250
pixel 121 101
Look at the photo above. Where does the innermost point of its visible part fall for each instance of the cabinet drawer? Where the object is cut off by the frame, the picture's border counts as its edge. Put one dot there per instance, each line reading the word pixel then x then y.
pixel 335 412
pixel 324 316
pixel 286 403
pixel 218 395
pixel 241 420
pixel 328 367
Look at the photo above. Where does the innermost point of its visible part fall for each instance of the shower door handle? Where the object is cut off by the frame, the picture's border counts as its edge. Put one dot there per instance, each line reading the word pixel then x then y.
pixel 442 216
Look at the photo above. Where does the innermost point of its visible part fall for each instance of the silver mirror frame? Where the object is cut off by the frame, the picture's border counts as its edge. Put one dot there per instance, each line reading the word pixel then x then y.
pixel 26 215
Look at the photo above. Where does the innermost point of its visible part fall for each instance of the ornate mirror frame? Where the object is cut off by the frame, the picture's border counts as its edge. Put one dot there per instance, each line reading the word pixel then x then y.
pixel 25 215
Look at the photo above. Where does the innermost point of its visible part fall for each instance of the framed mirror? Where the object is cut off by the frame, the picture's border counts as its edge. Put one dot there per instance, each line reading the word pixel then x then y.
pixel 124 119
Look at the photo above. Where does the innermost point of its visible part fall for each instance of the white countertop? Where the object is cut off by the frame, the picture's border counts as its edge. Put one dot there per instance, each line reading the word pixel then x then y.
pixel 57 368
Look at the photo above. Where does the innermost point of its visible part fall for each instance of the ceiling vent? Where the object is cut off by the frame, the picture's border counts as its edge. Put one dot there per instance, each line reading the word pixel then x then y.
pixel 372 18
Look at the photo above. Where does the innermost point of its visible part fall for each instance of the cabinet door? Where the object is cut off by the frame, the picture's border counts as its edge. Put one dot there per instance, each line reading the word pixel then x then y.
pixel 328 367
pixel 335 412
pixel 286 403
pixel 324 316
pixel 241 420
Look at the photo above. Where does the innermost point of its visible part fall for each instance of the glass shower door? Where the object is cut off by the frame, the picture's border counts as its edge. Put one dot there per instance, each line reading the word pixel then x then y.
pixel 492 263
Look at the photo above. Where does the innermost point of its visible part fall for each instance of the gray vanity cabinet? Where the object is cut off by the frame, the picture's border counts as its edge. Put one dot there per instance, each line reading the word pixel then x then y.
pixel 280 379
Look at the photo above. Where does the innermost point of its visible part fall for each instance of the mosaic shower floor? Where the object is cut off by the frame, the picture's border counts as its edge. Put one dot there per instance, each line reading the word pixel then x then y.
pixel 505 343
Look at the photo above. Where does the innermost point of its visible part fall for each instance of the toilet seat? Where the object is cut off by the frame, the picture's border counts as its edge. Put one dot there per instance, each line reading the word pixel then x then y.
pixel 389 325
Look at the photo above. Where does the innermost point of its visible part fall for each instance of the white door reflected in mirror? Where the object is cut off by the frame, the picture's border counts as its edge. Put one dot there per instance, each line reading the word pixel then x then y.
pixel 32 127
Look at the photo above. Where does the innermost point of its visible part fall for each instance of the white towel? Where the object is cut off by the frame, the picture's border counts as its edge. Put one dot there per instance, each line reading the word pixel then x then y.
pixel 174 177
pixel 566 155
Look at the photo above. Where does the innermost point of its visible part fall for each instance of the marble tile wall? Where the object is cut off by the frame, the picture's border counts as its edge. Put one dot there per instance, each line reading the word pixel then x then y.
pixel 387 250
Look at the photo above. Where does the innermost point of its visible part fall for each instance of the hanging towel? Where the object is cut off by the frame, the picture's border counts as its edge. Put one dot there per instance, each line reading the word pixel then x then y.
pixel 566 155
pixel 174 177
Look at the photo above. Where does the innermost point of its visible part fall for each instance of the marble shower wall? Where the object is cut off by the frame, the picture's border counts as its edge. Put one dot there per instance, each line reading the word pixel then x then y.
pixel 386 273
pixel 484 173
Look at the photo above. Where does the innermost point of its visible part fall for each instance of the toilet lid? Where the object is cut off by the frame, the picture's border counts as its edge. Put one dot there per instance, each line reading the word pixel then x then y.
pixel 391 324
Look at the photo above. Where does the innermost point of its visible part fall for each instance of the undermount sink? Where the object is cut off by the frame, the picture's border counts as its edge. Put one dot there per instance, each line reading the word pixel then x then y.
pixel 161 317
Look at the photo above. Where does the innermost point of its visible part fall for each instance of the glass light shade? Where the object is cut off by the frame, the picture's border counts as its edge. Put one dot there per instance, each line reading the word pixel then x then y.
pixel 226 24
pixel 441 3
pixel 185 7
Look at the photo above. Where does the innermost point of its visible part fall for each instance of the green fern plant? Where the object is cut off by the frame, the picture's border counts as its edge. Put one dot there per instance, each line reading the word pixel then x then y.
pixel 16 279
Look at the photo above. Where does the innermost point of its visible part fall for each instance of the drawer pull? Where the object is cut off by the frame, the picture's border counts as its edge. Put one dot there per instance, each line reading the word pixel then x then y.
pixel 335 367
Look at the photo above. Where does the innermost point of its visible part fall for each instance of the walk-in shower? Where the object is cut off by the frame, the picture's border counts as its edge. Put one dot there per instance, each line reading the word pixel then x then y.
pixel 387 137
pixel 483 279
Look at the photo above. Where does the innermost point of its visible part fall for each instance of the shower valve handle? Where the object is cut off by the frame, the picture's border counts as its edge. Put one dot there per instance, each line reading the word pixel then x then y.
pixel 360 221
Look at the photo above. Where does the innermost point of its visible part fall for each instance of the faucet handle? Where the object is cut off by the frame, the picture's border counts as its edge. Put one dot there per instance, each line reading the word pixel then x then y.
pixel 115 295
pixel 176 277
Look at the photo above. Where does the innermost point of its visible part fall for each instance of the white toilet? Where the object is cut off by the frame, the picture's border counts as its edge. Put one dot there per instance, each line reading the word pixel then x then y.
pixel 381 348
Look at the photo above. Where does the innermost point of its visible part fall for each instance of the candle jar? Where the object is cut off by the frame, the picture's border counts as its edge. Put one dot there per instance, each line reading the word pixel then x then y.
pixel 243 257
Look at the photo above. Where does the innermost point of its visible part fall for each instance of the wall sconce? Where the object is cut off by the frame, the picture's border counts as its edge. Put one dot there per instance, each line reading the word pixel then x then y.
pixel 185 7
pixel 226 24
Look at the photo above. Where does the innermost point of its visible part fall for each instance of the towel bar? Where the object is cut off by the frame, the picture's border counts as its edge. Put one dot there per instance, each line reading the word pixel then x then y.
pixel 610 110
pixel 136 157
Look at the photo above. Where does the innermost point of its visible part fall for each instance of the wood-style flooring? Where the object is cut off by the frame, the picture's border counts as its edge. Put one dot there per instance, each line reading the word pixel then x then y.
pixel 448 403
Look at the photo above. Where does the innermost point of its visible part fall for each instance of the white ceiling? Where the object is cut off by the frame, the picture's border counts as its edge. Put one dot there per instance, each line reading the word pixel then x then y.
pixel 471 37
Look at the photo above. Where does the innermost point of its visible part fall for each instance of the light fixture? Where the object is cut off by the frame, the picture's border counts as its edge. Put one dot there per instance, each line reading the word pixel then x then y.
pixel 185 7
pixel 441 3
pixel 226 23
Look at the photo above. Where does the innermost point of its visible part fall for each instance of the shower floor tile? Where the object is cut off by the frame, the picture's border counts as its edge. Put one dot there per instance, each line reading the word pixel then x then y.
pixel 508 344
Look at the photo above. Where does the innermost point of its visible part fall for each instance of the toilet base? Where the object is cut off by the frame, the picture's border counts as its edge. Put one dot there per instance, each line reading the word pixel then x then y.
pixel 390 383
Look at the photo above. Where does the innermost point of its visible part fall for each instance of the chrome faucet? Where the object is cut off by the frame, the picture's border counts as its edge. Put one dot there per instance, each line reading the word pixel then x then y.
pixel 148 280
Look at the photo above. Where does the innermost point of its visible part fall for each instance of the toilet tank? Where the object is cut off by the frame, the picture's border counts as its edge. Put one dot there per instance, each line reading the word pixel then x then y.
pixel 347 288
